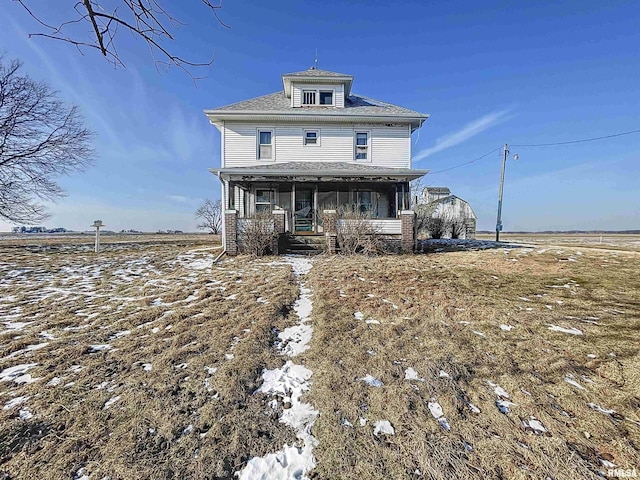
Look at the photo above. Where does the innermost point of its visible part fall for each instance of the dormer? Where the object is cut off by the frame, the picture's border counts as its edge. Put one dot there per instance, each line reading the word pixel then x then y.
pixel 316 88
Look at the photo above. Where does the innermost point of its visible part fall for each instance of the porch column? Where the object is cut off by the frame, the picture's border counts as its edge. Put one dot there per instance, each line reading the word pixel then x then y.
pixel 231 232
pixel 278 228
pixel 408 230
pixel 331 230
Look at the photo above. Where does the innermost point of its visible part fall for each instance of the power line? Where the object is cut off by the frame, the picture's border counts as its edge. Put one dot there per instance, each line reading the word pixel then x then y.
pixel 536 145
pixel 573 141
pixel 465 163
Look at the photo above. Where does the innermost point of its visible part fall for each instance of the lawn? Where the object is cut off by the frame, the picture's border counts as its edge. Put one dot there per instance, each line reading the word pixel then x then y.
pixel 150 361
pixel 519 363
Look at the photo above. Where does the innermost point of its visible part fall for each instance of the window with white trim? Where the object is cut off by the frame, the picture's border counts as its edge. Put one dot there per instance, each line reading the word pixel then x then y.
pixel 265 200
pixel 326 97
pixel 308 97
pixel 311 137
pixel 318 97
pixel 362 146
pixel 265 144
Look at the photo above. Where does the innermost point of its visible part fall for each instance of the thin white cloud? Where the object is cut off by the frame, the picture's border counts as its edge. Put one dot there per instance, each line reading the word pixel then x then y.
pixel 465 133
pixel 178 198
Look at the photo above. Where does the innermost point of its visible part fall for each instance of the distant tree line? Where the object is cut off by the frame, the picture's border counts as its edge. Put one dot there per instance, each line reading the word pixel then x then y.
pixel 23 229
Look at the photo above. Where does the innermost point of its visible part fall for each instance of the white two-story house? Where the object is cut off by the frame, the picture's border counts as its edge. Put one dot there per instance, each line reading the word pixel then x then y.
pixel 313 146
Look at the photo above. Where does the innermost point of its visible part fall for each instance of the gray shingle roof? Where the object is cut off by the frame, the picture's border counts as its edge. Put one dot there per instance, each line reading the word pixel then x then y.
pixel 277 102
pixel 315 72
pixel 323 168
pixel 438 190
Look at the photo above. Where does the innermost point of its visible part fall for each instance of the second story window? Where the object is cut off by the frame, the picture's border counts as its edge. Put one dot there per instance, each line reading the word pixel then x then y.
pixel 362 146
pixel 308 97
pixel 265 147
pixel 311 137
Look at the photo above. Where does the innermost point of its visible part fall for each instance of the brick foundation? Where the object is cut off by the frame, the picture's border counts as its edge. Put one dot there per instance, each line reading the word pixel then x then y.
pixel 231 232
pixel 279 229
pixel 408 230
pixel 330 226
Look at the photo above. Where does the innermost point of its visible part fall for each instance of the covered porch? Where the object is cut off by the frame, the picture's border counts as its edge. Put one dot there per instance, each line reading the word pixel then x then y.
pixel 302 191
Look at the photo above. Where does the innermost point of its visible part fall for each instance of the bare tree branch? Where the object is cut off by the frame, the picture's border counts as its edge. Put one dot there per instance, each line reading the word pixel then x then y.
pixel 40 139
pixel 145 19
pixel 210 214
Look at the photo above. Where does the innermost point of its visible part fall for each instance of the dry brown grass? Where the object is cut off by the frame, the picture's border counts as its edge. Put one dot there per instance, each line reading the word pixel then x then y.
pixel 178 420
pixel 614 241
pixel 183 420
pixel 435 296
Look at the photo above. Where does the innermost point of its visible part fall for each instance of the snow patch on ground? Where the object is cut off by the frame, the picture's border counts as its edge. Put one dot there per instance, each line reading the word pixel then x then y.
pixel 411 374
pixel 287 384
pixel 111 401
pixel 570 380
pixel 535 425
pixel 25 414
pixel 436 410
pixel 382 427
pixel 29 348
pixel 18 373
pixel 295 340
pixel 99 348
pixel 556 328
pixel 14 402
pixel 502 401
pixel 371 381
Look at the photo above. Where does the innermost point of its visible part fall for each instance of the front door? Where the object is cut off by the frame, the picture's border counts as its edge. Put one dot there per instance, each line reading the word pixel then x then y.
pixel 304 211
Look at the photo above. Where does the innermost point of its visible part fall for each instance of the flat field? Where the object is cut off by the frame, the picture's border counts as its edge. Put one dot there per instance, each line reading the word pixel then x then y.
pixel 616 241
pixel 145 361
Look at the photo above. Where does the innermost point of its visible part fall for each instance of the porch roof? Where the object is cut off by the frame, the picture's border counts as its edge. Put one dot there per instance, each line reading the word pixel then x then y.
pixel 315 171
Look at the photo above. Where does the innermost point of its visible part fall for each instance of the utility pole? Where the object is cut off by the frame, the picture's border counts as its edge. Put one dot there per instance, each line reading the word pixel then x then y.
pixel 499 220
pixel 505 155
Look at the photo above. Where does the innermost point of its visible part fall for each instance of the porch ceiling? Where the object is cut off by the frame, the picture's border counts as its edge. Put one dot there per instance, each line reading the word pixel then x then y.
pixel 318 172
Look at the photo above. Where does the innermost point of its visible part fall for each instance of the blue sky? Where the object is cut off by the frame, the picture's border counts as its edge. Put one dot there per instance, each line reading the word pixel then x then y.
pixel 488 72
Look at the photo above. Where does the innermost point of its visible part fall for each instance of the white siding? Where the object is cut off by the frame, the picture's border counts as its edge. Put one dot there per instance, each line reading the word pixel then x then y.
pixel 382 227
pixel 389 146
pixel 339 100
pixel 387 227
pixel 241 145
pixel 335 144
pixel 297 95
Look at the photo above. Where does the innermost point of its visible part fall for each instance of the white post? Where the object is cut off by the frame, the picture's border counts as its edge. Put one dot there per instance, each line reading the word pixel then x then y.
pixel 97 224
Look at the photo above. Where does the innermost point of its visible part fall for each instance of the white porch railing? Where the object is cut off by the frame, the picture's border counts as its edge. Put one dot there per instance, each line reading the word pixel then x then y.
pixel 383 226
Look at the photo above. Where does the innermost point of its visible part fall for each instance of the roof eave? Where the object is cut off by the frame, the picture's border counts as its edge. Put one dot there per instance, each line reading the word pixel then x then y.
pixel 216 116
pixel 247 171
pixel 346 79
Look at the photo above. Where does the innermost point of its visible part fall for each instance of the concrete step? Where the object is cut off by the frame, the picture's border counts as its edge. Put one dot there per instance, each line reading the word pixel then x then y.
pixel 305 244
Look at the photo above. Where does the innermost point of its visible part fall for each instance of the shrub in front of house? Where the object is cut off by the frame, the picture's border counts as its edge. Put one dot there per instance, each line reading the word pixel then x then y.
pixel 256 235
